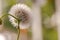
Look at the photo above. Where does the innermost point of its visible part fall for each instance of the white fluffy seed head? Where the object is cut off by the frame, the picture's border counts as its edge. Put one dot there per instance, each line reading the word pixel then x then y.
pixel 22 12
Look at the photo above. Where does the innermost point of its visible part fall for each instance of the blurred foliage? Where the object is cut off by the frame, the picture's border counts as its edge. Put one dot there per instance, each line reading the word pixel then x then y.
pixel 28 2
pixel 47 11
pixel 49 34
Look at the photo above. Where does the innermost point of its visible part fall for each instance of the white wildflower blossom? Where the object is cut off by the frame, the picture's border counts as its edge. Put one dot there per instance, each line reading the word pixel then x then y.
pixel 22 12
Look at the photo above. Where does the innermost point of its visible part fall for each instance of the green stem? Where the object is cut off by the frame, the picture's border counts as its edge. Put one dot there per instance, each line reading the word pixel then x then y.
pixel 4 15
pixel 13 16
pixel 18 31
pixel 10 15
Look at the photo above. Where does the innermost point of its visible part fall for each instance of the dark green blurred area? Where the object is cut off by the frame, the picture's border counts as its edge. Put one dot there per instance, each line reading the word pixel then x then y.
pixel 0 21
pixel 47 11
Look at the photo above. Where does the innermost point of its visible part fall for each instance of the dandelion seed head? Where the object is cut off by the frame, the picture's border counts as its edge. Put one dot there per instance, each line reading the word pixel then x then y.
pixel 23 12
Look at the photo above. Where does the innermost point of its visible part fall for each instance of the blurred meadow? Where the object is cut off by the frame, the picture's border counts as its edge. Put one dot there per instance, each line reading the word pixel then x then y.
pixel 47 10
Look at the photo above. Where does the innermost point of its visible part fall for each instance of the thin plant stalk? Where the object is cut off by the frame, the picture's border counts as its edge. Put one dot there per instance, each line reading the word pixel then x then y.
pixel 10 15
pixel 18 30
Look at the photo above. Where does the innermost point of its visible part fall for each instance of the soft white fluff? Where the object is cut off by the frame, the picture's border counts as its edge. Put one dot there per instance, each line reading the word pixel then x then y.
pixel 15 9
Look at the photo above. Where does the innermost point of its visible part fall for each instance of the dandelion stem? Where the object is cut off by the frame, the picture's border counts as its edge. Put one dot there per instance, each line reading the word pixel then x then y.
pixel 14 17
pixel 18 30
pixel 10 15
